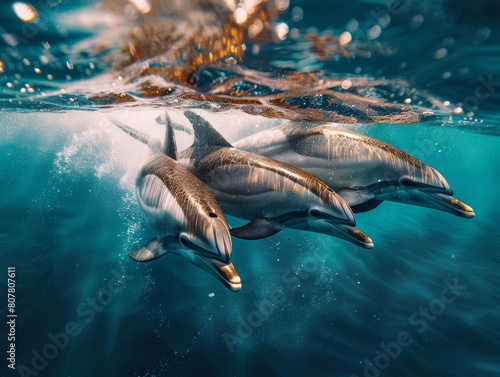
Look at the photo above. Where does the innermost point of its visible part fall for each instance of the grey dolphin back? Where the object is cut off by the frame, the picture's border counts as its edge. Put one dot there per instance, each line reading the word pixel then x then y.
pixel 204 133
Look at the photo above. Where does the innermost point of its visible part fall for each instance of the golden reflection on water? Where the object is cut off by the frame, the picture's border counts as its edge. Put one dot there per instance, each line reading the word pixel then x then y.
pixel 174 39
pixel 178 45
pixel 25 12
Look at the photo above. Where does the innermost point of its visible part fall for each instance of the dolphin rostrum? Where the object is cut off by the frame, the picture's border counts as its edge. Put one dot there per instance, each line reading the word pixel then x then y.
pixel 364 171
pixel 185 216
pixel 271 194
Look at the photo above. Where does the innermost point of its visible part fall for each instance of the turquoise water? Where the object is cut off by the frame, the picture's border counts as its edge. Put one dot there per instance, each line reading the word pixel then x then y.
pixel 310 304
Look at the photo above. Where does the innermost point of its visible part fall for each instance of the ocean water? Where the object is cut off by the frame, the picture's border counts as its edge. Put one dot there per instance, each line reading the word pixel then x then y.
pixel 422 76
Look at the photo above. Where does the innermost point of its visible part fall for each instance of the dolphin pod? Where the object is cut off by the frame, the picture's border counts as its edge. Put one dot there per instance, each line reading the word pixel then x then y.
pixel 299 175
pixel 271 194
pixel 364 171
pixel 185 216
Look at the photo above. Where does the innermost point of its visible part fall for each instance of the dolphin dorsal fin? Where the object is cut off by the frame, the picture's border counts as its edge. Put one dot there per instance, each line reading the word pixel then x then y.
pixel 169 147
pixel 204 133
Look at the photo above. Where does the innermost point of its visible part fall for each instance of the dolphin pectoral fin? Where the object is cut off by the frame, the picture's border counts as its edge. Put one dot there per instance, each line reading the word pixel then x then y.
pixel 259 227
pixel 367 206
pixel 152 250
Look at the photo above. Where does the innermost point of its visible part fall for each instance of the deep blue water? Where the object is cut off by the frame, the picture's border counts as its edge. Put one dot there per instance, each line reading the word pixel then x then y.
pixel 310 305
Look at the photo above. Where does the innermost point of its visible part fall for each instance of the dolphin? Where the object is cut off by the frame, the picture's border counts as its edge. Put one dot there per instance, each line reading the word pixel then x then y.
pixel 364 171
pixel 273 195
pixel 185 216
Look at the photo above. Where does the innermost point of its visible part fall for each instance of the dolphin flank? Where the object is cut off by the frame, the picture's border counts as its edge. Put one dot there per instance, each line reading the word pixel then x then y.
pixel 363 170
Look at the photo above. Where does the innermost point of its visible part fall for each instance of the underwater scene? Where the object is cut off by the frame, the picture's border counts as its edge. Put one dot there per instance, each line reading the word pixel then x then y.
pixel 250 188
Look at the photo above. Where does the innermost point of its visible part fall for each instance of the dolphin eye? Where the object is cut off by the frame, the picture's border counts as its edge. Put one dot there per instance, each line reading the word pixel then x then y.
pixel 184 242
pixel 406 182
pixel 211 214
pixel 314 213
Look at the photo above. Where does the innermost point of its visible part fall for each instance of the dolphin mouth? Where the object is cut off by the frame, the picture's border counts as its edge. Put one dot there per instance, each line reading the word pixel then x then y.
pixel 215 264
pixel 225 272
pixel 353 235
pixel 230 276
pixel 449 204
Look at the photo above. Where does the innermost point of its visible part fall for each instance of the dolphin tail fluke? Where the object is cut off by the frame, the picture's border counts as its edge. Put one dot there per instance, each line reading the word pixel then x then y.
pixel 151 142
pixel 176 126
pixel 131 131
pixel 258 228
pixel 152 250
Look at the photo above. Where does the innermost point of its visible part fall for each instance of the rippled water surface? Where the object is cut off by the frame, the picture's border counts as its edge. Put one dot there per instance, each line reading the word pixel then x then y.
pixel 422 76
